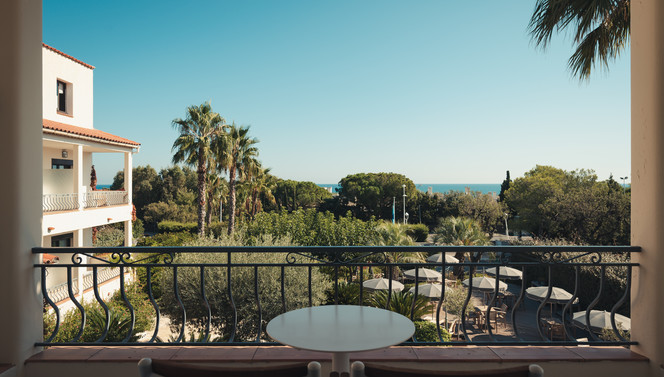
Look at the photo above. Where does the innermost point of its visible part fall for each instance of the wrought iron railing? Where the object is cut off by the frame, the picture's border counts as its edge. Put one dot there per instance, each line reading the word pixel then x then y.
pixel 221 295
pixel 60 292
pixel 91 199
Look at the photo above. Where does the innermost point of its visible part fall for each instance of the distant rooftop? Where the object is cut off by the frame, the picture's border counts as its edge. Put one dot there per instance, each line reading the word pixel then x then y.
pixel 56 128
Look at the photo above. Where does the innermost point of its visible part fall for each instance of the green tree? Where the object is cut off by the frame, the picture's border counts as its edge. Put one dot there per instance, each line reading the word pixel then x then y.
pixel 292 195
pixel 402 303
pixel 388 234
pixel 371 194
pixel 145 183
pixel 198 133
pixel 600 29
pixel 460 231
pixel 235 154
pixel 505 186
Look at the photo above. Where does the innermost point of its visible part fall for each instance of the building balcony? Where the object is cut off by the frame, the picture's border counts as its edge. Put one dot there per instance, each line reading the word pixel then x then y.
pixel 220 300
pixel 87 200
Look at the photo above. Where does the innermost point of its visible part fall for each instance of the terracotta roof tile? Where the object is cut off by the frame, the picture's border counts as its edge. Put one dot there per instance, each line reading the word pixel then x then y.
pixel 102 136
pixel 67 56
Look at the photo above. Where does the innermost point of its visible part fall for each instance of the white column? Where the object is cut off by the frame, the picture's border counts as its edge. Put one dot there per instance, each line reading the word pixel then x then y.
pixel 647 65
pixel 78 174
pixel 129 240
pixel 21 190
pixel 128 175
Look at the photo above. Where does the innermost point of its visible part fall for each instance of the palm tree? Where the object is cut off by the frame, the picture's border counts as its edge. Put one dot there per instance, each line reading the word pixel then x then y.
pixel 602 29
pixel 216 187
pixel 460 231
pixel 260 187
pixel 236 154
pixel 198 133
pixel 389 234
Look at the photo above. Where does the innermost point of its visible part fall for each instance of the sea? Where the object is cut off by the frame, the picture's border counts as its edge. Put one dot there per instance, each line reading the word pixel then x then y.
pixel 442 188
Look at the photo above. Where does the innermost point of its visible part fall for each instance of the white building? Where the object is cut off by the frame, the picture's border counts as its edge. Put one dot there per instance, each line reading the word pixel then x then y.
pixel 71 206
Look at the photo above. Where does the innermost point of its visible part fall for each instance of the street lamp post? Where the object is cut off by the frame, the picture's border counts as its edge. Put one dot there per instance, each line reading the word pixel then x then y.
pixel 623 179
pixel 404 203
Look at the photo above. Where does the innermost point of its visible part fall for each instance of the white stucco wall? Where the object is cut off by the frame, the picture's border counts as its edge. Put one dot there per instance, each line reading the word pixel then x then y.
pixel 56 66
pixel 64 222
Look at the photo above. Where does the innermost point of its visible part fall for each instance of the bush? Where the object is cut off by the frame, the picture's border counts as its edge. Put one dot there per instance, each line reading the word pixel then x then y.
pixel 402 303
pixel 217 229
pixel 242 288
pixel 119 322
pixel 426 331
pixel 109 236
pixel 167 239
pixel 418 232
pixel 137 230
pixel 176 227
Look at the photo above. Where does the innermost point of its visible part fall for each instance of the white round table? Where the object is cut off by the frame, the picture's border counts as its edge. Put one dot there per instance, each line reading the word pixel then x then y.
pixel 340 329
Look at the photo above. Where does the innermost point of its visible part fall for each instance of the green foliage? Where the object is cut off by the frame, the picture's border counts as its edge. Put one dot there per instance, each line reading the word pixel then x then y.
pixel 454 300
pixel 348 294
pixel 243 290
pixel 109 236
pixel 418 232
pixel 176 227
pixel 292 195
pixel 167 239
pixel 311 228
pixel 553 203
pixel 137 229
pixel 120 319
pixel 402 303
pixel 505 186
pixel 371 194
pixel 426 331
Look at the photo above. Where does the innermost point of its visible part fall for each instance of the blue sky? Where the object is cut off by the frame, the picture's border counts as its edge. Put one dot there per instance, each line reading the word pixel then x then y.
pixel 440 91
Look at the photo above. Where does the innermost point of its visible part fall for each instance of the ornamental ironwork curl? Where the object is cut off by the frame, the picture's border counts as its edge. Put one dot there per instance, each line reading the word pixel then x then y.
pixel 557 257
pixel 121 258
pixel 379 257
pixel 291 257
pixel 76 258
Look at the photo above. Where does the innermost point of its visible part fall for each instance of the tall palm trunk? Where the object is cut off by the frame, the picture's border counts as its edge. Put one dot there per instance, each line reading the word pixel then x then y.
pixel 231 204
pixel 202 192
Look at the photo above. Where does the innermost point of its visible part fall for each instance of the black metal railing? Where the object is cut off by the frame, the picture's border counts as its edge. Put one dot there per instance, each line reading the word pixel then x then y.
pixel 226 295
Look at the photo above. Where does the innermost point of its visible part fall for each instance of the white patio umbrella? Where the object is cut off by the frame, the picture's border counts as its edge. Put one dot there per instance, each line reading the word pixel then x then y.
pixel 438 258
pixel 601 319
pixel 433 291
pixel 484 283
pixel 382 284
pixel 424 274
pixel 506 272
pixel 558 295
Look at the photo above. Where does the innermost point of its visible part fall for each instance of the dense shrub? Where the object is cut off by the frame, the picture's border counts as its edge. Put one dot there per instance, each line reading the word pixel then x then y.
pixel 418 232
pixel 120 319
pixel 426 331
pixel 167 239
pixel 110 236
pixel 242 288
pixel 402 303
pixel 311 228
pixel 176 227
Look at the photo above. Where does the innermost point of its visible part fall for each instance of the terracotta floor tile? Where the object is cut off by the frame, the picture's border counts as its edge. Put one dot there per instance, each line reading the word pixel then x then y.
pixel 402 353
pixel 281 353
pixel 606 353
pixel 526 353
pixel 455 354
pixel 65 354
pixel 241 354
pixel 133 353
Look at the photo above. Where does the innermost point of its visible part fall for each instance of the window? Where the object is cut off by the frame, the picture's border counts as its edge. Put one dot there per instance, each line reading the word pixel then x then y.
pixel 64 94
pixel 64 240
pixel 57 163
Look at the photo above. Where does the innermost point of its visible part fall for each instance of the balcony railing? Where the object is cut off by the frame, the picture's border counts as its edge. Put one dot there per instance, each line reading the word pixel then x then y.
pixel 93 199
pixel 222 295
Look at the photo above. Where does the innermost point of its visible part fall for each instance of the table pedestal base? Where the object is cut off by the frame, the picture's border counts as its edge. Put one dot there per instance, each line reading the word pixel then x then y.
pixel 341 362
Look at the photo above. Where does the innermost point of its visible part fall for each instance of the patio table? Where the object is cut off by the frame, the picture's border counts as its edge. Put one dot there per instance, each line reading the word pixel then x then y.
pixel 340 329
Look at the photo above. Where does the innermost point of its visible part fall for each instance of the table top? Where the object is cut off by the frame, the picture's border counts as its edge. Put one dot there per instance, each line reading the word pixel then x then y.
pixel 340 328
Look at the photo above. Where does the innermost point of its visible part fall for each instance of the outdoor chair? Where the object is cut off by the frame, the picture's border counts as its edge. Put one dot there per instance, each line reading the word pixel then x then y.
pixel 164 368
pixel 455 330
pixel 359 369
